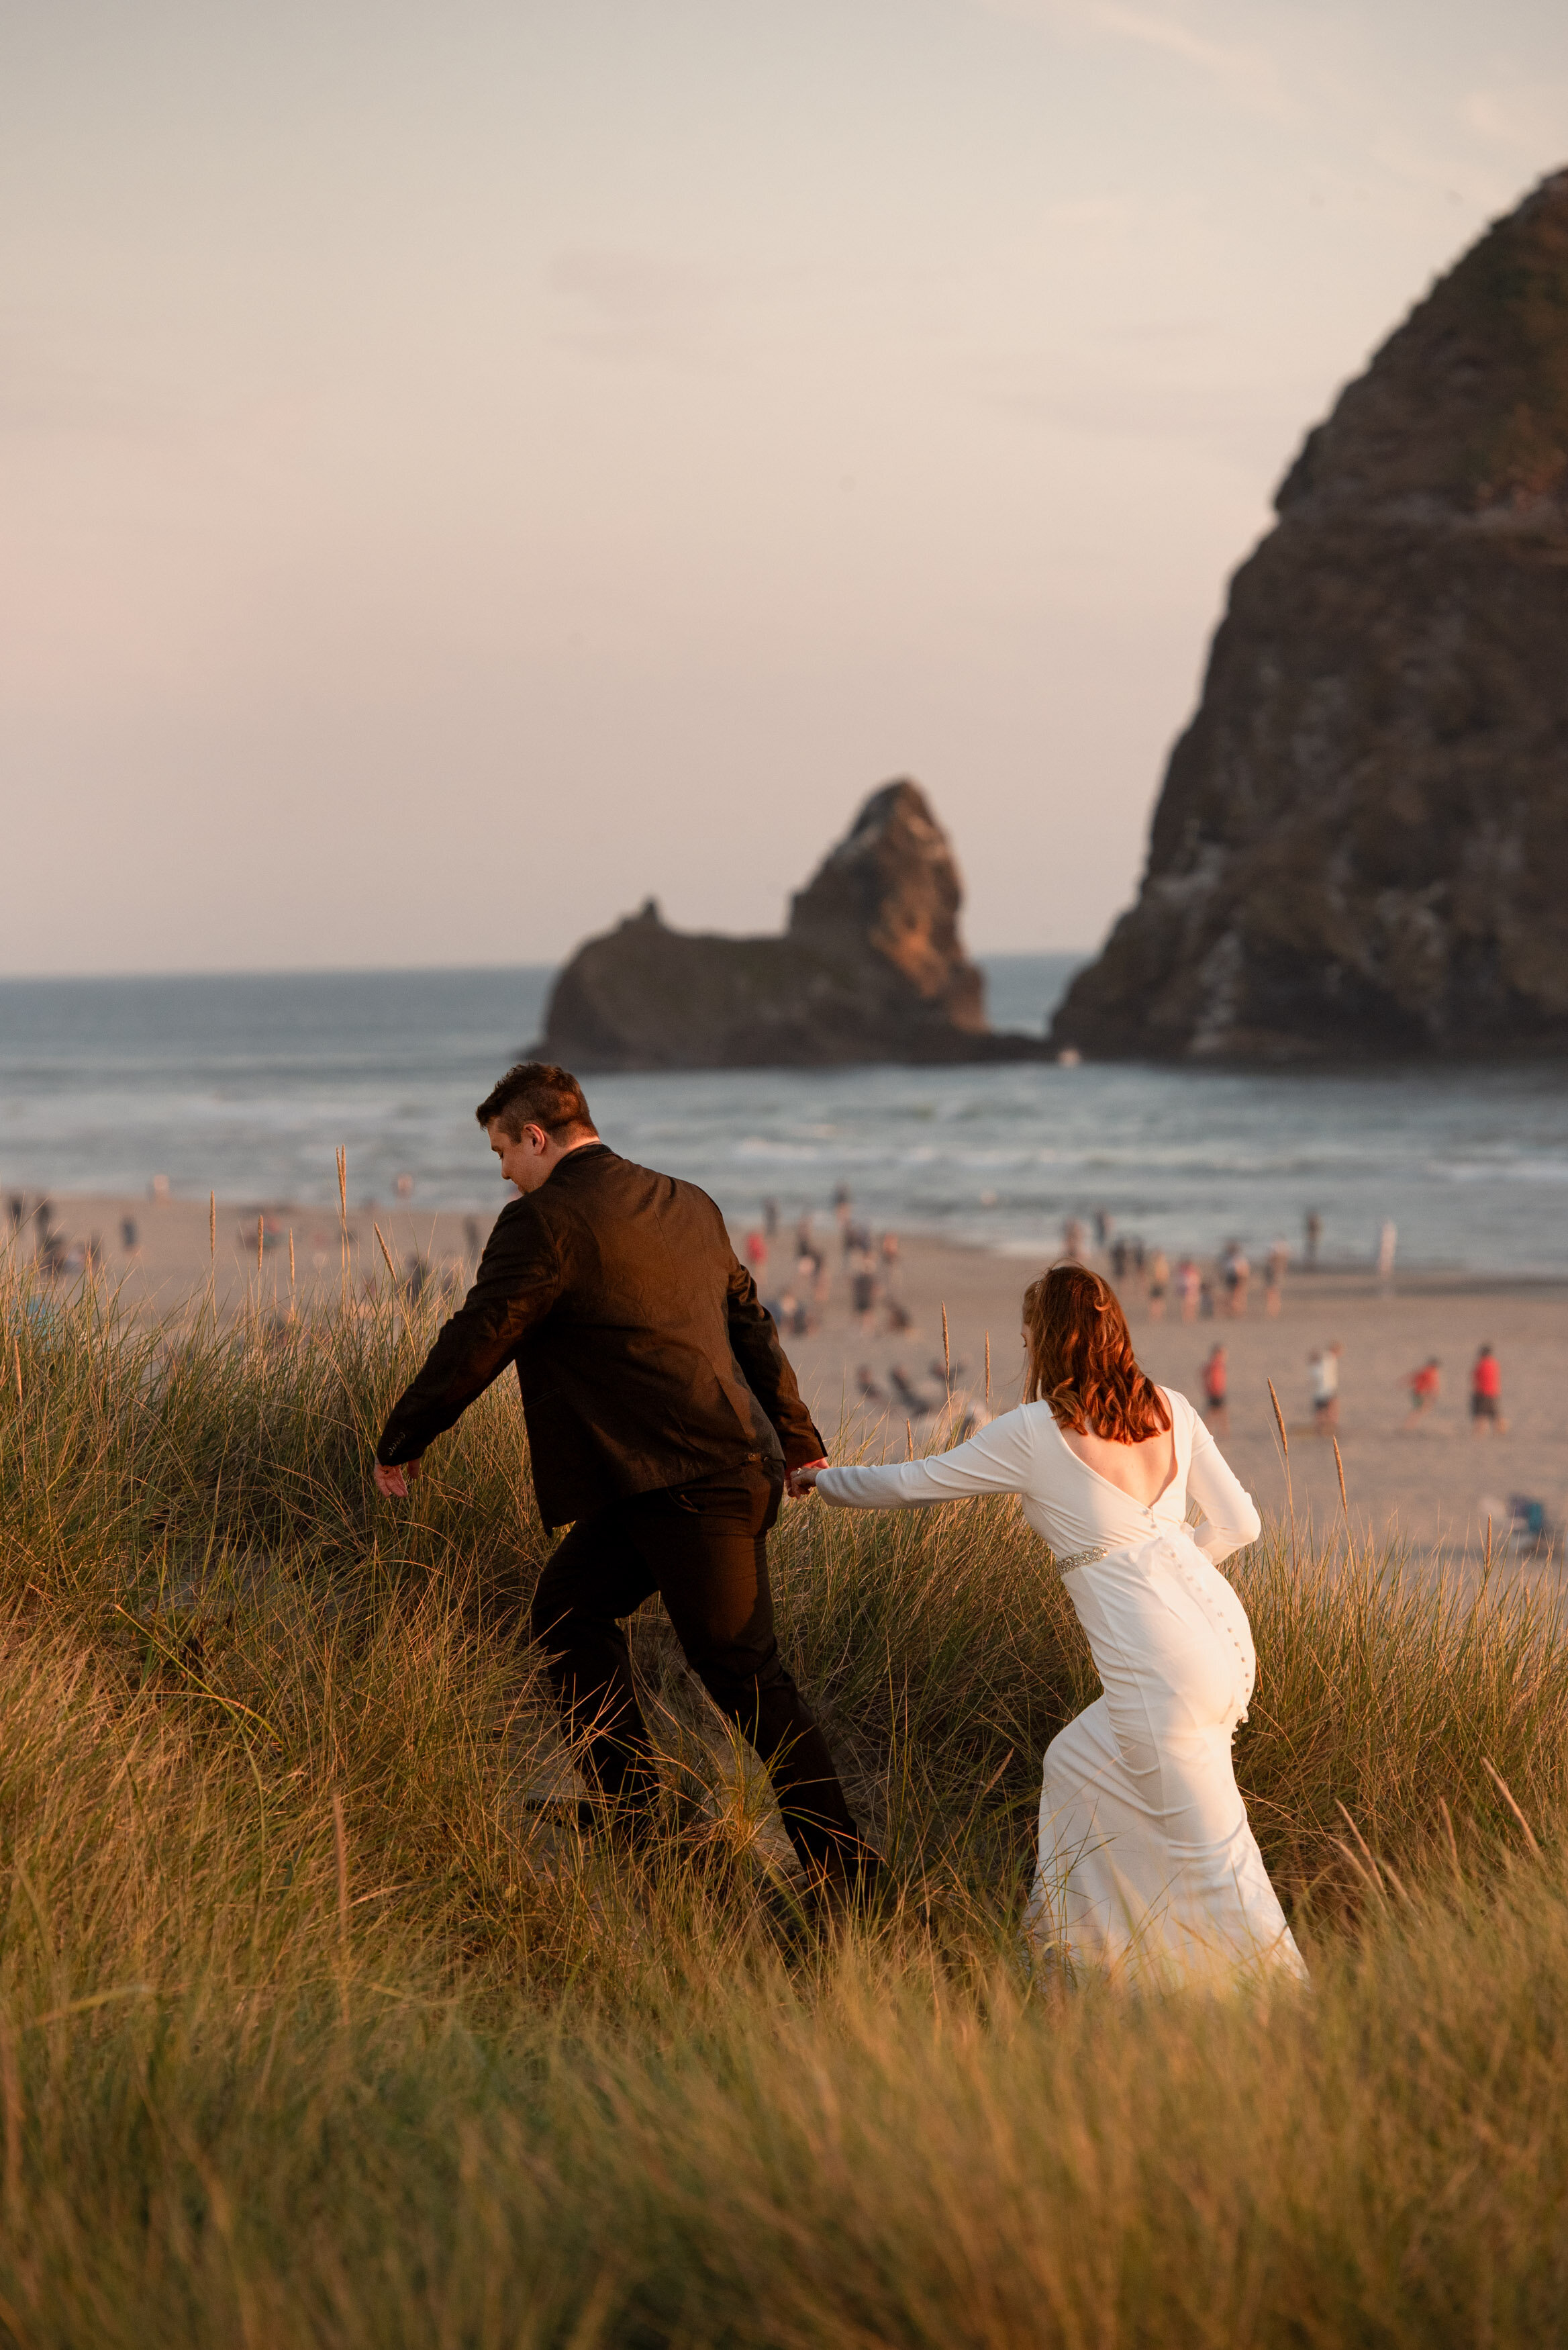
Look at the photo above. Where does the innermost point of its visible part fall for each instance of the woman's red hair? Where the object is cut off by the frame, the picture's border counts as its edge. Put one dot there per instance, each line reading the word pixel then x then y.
pixel 1081 1358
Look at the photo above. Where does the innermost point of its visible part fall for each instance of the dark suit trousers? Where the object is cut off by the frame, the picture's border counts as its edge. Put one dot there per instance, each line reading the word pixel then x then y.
pixel 703 1548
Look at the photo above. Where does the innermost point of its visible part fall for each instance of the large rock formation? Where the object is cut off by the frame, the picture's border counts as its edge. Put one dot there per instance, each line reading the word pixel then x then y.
pixel 1361 849
pixel 871 968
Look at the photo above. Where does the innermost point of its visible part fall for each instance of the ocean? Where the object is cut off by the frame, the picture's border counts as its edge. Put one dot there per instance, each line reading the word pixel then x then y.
pixel 247 1085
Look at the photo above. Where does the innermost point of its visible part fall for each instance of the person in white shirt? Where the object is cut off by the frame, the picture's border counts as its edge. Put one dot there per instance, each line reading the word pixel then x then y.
pixel 1322 1369
pixel 1148 1867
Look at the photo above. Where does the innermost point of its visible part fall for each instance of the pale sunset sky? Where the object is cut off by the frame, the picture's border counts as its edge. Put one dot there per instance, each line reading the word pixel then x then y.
pixel 468 468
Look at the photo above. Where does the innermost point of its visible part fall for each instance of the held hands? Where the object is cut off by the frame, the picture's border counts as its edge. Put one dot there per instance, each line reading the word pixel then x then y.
pixel 800 1484
pixel 395 1483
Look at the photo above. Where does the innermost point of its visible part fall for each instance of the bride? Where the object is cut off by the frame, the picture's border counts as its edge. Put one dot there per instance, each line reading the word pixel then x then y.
pixel 1149 1869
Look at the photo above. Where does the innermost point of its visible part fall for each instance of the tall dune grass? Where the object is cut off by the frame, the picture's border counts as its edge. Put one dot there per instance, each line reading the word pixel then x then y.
pixel 314 2029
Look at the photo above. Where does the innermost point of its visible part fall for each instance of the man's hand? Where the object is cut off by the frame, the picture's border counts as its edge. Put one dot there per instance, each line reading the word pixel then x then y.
pixel 395 1483
pixel 799 1482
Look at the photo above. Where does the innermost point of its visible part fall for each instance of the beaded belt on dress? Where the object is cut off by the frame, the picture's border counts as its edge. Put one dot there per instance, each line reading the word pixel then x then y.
pixel 1084 1558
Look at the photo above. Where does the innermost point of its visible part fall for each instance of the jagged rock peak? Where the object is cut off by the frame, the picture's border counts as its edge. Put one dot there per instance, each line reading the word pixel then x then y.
pixel 1360 849
pixel 892 885
pixel 1465 407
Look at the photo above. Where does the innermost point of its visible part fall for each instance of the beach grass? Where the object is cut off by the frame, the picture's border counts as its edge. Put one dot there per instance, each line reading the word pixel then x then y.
pixel 315 2028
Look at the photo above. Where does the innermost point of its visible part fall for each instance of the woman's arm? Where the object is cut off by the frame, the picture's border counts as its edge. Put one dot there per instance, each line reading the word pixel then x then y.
pixel 997 1460
pixel 1229 1521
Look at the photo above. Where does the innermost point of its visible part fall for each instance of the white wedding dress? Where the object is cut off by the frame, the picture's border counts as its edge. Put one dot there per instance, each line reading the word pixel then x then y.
pixel 1149 1869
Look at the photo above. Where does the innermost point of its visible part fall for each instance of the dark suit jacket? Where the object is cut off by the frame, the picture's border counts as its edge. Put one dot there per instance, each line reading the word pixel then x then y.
pixel 643 1354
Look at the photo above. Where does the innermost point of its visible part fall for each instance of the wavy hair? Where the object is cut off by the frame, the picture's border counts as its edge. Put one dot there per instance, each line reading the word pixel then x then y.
pixel 1080 1359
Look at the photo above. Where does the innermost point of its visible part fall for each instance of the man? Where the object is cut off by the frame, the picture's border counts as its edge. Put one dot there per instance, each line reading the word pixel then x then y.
pixel 663 1421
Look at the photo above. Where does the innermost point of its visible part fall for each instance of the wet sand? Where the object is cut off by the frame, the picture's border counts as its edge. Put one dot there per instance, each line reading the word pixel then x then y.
pixel 1433 1485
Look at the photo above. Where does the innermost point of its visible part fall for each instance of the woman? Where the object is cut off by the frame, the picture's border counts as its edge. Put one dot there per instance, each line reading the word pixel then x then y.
pixel 1149 1869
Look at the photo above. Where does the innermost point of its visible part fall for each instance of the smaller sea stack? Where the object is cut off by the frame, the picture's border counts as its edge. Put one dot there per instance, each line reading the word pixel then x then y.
pixel 871 968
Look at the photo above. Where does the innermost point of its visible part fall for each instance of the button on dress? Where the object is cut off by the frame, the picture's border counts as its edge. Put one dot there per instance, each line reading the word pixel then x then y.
pixel 1149 1871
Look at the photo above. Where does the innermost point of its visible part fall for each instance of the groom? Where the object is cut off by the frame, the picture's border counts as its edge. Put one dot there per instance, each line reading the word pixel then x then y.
pixel 663 1421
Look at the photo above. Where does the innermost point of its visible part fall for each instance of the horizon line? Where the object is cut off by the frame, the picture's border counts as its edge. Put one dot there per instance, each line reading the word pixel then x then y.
pixel 403 970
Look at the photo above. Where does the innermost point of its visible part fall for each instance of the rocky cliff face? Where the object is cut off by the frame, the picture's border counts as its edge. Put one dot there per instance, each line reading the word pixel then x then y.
pixel 871 968
pixel 1361 847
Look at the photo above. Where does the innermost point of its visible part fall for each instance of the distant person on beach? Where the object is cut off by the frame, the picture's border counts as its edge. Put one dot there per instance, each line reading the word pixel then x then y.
pixel 1278 1265
pixel 1148 1872
pixel 770 1219
pixel 1387 1241
pixel 888 1282
pixel 1486 1394
pixel 1312 1227
pixel 1424 1387
pixel 130 1240
pixel 1322 1374
pixel 843 1208
pixel 757 1256
pixel 1158 1283
pixel 812 1279
pixel 863 1292
pixel 1188 1284
pixel 663 1420
pixel 1238 1272
pixel 1215 1375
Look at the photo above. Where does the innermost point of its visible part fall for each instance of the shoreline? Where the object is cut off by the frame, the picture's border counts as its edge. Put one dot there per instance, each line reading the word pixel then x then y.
pixel 80 1215
pixel 1431 1483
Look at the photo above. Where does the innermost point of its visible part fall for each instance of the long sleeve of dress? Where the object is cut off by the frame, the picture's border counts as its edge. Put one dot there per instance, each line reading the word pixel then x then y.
pixel 997 1460
pixel 1230 1520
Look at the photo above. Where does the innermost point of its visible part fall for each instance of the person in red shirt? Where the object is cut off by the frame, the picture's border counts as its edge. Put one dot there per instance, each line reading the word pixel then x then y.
pixel 1424 1386
pixel 1486 1394
pixel 1216 1407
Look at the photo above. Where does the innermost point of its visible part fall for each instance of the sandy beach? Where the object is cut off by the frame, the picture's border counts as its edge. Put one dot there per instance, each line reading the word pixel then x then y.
pixel 1433 1485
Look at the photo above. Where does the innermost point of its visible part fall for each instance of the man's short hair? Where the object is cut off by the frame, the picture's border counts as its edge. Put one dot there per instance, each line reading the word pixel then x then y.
pixel 535 1093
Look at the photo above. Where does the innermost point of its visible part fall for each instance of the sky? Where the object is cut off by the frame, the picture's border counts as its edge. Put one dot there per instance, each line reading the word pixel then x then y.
pixel 463 470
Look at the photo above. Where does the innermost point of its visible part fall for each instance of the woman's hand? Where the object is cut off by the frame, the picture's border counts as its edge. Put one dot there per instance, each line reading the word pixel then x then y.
pixel 801 1482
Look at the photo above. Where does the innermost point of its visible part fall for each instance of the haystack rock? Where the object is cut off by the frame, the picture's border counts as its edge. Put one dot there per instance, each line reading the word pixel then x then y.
pixel 871 968
pixel 1361 848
